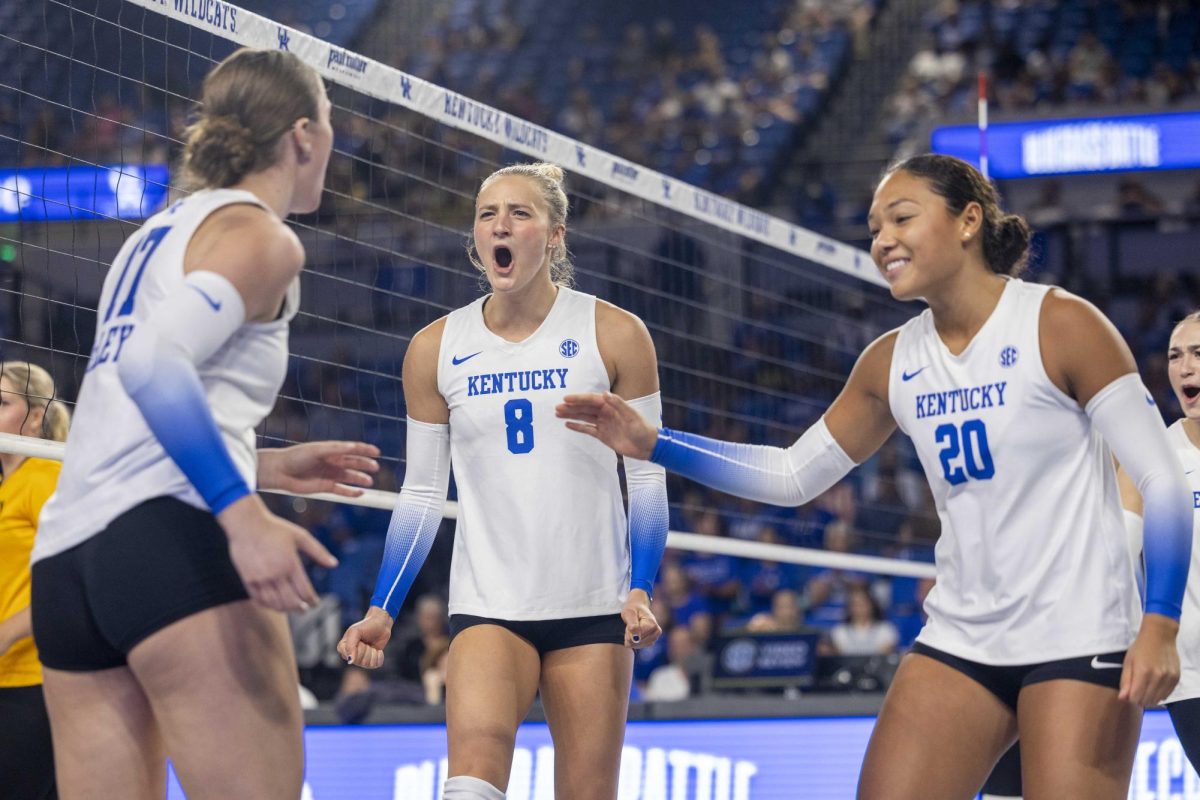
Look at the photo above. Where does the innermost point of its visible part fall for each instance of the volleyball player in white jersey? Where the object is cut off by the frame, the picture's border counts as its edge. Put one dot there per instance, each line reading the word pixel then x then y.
pixel 1006 389
pixel 549 585
pixel 151 554
pixel 1183 369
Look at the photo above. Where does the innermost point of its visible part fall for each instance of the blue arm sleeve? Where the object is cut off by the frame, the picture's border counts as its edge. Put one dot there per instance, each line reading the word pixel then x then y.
pixel 774 475
pixel 1125 415
pixel 157 369
pixel 648 514
pixel 417 514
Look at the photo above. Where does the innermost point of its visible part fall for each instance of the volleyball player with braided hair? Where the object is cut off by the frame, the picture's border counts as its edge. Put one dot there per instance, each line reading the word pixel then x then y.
pixel 158 573
pixel 549 584
pixel 1013 394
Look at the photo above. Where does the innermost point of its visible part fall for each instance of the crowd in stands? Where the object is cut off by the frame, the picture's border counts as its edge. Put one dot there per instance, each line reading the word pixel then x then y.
pixel 717 105
pixel 1047 54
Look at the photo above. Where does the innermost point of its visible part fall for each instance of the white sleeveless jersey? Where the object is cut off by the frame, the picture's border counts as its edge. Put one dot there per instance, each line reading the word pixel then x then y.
pixel 113 461
pixel 1032 563
pixel 541 528
pixel 1188 641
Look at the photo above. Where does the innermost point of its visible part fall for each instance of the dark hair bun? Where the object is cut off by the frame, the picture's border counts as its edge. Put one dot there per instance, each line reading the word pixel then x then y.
pixel 1009 249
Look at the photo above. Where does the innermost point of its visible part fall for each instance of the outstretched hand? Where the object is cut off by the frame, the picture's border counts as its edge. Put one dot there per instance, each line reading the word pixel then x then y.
pixel 335 467
pixel 611 420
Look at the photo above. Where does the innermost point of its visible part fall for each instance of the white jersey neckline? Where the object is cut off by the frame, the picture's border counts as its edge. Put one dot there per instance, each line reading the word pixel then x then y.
pixel 533 337
pixel 980 334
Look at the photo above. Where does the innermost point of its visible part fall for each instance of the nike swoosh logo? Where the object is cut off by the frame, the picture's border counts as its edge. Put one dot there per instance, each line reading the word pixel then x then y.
pixel 455 360
pixel 908 376
pixel 1189 472
pixel 1149 400
pixel 216 306
pixel 1098 664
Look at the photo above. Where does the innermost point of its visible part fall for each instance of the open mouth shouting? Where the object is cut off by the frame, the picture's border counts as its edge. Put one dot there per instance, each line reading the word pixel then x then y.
pixel 1190 393
pixel 503 258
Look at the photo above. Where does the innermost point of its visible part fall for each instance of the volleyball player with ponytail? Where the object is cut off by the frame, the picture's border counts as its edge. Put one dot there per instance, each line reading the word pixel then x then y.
pixel 549 585
pixel 1013 394
pixel 159 576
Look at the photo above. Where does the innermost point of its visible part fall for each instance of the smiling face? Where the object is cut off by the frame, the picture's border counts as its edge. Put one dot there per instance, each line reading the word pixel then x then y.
pixel 915 241
pixel 513 233
pixel 1183 366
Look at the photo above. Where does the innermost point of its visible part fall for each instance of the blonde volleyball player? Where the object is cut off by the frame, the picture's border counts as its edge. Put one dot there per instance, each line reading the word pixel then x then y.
pixel 1006 388
pixel 158 574
pixel 549 585
pixel 1183 369
pixel 26 752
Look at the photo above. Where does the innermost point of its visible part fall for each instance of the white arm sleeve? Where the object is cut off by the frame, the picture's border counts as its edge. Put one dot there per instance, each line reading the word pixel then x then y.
pixel 771 475
pixel 648 513
pixel 417 514
pixel 1124 413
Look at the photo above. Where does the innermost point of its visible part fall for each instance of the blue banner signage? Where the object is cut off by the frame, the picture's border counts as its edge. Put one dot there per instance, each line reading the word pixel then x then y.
pixel 1074 146
pixel 779 759
pixel 49 194
pixel 765 659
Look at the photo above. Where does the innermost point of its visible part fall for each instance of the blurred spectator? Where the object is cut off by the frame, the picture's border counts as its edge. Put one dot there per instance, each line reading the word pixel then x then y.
pixel 714 576
pixel 864 632
pixel 431 625
pixel 1136 202
pixel 1088 68
pixel 912 618
pixel 783 617
pixel 433 671
pixel 1048 209
pixel 761 580
pixel 677 593
pixel 675 680
pixel 829 590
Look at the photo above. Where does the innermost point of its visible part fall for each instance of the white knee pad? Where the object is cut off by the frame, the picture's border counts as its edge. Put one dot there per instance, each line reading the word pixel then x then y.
pixel 464 787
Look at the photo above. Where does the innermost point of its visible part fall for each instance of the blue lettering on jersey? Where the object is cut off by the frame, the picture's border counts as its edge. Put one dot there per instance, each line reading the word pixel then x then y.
pixel 1195 499
pixel 525 381
pixel 108 347
pixel 954 401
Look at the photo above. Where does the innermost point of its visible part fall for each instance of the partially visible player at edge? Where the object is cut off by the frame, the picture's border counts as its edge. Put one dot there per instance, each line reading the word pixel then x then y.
pixel 1183 370
pixel 1009 391
pixel 549 585
pixel 27 408
pixel 158 574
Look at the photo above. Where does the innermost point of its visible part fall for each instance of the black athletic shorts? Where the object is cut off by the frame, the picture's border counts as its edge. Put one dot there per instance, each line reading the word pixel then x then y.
pixel 552 634
pixel 26 751
pixel 157 563
pixel 1006 682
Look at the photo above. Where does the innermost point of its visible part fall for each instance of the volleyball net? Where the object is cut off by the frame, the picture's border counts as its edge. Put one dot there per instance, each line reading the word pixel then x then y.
pixel 757 322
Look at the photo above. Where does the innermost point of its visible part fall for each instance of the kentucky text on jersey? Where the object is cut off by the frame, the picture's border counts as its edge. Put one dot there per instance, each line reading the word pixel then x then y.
pixel 969 399
pixel 524 381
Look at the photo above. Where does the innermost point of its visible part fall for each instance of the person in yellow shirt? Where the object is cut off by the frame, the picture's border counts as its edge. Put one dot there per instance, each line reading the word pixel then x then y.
pixel 26 753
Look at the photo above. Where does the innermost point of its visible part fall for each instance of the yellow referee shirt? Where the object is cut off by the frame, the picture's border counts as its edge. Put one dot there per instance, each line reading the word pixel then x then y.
pixel 22 495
